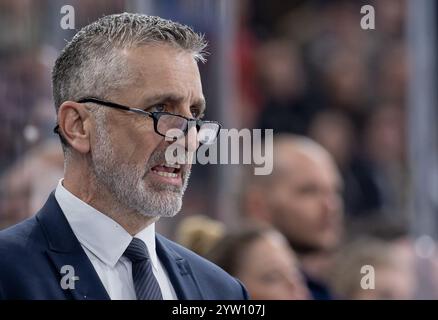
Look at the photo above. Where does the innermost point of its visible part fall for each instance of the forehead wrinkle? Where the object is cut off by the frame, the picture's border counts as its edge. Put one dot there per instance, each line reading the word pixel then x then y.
pixel 140 59
pixel 169 80
pixel 172 98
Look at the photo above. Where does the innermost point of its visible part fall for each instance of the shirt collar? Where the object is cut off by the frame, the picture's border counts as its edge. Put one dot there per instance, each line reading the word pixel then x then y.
pixel 100 234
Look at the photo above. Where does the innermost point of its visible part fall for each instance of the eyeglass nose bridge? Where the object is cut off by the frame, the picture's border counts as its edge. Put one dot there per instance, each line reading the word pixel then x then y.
pixel 192 142
pixel 190 124
pixel 175 133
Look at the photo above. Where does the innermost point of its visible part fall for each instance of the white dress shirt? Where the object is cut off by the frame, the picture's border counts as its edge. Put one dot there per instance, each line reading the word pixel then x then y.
pixel 104 241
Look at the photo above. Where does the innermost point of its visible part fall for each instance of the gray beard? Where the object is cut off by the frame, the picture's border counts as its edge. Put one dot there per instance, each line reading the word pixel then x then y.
pixel 129 184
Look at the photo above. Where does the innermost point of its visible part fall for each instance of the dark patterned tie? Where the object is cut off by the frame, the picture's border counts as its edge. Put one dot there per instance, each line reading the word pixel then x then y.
pixel 145 283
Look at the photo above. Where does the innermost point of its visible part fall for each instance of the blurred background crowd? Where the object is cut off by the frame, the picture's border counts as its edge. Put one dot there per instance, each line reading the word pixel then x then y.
pixel 343 193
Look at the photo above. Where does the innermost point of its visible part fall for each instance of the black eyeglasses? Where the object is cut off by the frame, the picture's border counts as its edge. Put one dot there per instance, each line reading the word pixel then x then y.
pixel 168 125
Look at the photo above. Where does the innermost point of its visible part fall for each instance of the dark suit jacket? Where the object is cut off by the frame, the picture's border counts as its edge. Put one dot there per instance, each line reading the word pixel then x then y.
pixel 33 252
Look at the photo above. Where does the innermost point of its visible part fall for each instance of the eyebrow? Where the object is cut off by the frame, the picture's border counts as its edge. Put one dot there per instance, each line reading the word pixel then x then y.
pixel 173 99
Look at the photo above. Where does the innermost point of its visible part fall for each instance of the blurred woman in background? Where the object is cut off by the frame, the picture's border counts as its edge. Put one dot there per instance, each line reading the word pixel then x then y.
pixel 258 256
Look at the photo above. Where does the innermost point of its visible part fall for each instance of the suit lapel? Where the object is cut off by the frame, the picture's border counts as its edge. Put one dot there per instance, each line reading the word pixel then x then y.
pixel 179 272
pixel 65 250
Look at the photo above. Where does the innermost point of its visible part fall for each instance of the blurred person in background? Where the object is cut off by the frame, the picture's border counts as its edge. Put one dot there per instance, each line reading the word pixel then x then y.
pixel 327 76
pixel 285 103
pixel 25 185
pixel 199 233
pixel 384 146
pixel 392 275
pixel 418 256
pixel 259 256
pixel 336 132
pixel 344 80
pixel 302 199
pixel 373 165
pixel 392 73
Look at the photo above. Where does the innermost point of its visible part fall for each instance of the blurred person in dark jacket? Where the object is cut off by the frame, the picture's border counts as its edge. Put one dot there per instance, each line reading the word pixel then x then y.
pixel 286 102
pixel 335 131
pixel 302 199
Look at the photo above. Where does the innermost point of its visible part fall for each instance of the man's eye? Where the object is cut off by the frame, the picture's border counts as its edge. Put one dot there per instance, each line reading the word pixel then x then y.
pixel 161 107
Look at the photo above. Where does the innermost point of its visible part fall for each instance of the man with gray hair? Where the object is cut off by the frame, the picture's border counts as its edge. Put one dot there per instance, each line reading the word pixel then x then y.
pixel 125 88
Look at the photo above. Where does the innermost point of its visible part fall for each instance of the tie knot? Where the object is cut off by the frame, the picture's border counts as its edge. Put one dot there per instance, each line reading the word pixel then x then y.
pixel 136 251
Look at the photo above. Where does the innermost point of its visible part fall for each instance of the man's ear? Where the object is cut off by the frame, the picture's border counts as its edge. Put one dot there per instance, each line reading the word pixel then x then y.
pixel 74 125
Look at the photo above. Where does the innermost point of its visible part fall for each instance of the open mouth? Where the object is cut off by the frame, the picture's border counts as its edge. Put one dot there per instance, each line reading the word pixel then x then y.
pixel 167 170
